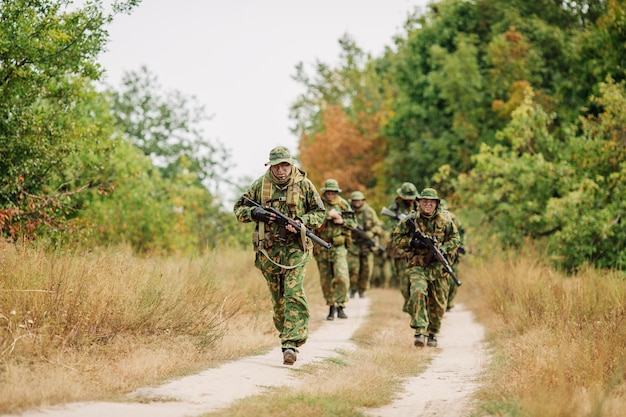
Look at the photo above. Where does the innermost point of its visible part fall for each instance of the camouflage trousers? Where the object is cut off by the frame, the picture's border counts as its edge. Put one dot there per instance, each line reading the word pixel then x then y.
pixel 361 266
pixel 383 272
pixel 289 301
pixel 428 298
pixel 333 268
pixel 402 272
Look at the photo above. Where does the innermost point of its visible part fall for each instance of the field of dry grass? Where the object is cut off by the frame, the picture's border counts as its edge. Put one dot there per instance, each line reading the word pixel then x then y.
pixel 558 340
pixel 97 325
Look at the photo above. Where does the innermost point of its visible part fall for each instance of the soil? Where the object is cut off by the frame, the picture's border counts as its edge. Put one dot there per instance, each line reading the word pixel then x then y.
pixel 444 390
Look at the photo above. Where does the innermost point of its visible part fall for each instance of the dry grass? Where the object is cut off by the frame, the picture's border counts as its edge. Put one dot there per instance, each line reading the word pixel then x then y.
pixel 368 377
pixel 97 325
pixel 559 341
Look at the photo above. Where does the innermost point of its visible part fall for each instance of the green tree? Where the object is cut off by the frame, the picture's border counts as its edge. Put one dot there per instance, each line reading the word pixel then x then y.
pixel 168 127
pixel 48 53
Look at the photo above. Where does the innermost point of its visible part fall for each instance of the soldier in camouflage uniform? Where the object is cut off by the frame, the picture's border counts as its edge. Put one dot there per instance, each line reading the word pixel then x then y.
pixel 428 283
pixel 333 263
pixel 360 253
pixel 282 254
pixel 404 203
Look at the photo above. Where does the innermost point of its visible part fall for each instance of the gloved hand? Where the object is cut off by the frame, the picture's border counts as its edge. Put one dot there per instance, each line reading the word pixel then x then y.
pixel 418 244
pixel 261 215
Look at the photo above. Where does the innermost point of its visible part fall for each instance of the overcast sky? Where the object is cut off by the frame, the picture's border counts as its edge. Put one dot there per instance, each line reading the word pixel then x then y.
pixel 237 58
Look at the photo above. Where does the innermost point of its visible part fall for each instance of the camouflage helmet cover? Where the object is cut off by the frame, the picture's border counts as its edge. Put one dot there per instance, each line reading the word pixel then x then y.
pixel 357 195
pixel 429 194
pixel 408 191
pixel 331 185
pixel 278 155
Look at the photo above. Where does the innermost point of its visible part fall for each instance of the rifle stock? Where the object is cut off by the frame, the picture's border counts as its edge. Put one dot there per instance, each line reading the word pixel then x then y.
pixel 386 212
pixel 283 221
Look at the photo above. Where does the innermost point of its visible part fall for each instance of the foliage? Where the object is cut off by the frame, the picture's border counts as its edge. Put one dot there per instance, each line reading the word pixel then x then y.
pixel 50 137
pixel 167 127
pixel 565 191
pixel 339 119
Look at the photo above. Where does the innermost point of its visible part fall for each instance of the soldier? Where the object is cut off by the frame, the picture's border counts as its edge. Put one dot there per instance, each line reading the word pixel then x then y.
pixel 333 263
pixel 400 208
pixel 281 253
pixel 364 241
pixel 428 283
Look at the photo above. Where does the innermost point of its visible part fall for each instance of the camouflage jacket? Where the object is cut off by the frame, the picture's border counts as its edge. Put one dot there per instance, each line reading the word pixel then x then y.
pixel 307 205
pixel 337 234
pixel 368 221
pixel 440 226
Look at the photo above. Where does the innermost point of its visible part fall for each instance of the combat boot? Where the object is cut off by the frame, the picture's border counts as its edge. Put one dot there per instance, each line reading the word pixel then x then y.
pixel 352 293
pixel 289 356
pixel 419 340
pixel 331 313
pixel 432 340
pixel 340 313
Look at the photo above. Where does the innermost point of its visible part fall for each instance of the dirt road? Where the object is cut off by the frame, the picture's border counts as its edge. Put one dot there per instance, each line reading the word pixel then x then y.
pixel 443 390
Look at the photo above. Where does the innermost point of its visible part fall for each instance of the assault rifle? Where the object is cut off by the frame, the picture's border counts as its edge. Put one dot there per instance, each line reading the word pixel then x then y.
pixel 370 242
pixel 431 243
pixel 398 216
pixel 283 221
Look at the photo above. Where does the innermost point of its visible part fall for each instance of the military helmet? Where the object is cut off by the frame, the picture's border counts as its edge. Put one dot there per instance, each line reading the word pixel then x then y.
pixel 278 155
pixel 408 191
pixel 429 194
pixel 331 185
pixel 357 195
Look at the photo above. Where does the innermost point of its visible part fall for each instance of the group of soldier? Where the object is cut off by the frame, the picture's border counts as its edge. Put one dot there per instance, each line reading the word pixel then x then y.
pixel 288 208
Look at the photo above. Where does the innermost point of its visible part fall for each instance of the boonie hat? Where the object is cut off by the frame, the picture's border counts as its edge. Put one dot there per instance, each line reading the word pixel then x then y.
pixel 357 195
pixel 408 191
pixel 331 185
pixel 278 155
pixel 429 194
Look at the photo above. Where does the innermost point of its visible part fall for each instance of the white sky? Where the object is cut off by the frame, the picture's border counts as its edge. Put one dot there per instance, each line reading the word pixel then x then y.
pixel 237 58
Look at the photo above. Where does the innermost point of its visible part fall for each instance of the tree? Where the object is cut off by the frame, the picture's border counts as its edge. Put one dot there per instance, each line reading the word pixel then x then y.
pixel 168 127
pixel 47 129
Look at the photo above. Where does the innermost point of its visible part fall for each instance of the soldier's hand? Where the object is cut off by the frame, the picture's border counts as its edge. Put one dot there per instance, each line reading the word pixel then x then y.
pixel 418 244
pixel 291 228
pixel 261 215
pixel 336 216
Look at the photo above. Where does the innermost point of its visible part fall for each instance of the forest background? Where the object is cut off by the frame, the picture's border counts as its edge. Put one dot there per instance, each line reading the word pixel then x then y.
pixel 514 111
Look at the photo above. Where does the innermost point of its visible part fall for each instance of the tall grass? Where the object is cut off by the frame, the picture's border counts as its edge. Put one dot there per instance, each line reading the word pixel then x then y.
pixel 559 340
pixel 76 326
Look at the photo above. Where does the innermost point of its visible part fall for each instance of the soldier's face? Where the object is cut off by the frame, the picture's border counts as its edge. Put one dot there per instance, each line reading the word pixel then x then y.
pixel 357 203
pixel 428 206
pixel 282 170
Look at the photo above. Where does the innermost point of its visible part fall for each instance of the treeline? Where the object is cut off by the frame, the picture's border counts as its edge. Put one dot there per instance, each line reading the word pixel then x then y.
pixel 509 108
pixel 87 164
pixel 513 109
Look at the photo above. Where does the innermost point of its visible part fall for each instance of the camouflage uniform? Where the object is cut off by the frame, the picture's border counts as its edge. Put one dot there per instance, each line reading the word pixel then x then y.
pixel 402 206
pixel 283 263
pixel 428 283
pixel 360 253
pixel 383 270
pixel 333 264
